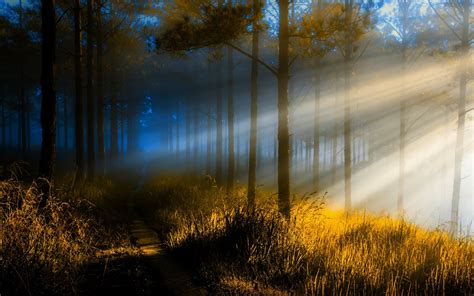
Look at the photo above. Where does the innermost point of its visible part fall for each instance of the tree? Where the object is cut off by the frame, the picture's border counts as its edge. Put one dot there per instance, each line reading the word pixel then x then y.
pixel 100 89
pixel 78 100
pixel 90 93
pixel 459 16
pixel 252 169
pixel 188 26
pixel 48 103
pixel 230 119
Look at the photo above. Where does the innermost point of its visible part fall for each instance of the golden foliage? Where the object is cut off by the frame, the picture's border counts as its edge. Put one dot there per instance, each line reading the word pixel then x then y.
pixel 318 251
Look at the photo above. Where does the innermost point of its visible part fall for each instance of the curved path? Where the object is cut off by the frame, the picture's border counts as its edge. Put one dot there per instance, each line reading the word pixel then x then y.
pixel 173 279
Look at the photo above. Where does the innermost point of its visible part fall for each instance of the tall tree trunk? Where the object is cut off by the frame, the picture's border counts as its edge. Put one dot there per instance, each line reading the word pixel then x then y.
pixel 22 114
pixel 66 121
pixel 28 125
pixel 188 132
pixel 79 125
pixel 404 8
pixel 132 140
pixel 177 130
pixel 219 124
pixel 195 136
pixel 252 168
pixel 122 130
pixel 459 152
pixel 114 149
pixel 230 120
pixel 283 129
pixel 335 134
pixel 100 91
pixel 22 111
pixel 316 131
pixel 209 140
pixel 48 102
pixel 401 166
pixel 4 139
pixel 237 151
pixel 347 108
pixel 90 94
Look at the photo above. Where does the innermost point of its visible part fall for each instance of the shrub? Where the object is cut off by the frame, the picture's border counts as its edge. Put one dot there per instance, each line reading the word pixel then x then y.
pixel 317 251
pixel 42 250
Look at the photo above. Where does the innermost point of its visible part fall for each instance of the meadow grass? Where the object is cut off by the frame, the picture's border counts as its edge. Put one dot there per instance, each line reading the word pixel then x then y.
pixel 317 251
pixel 44 251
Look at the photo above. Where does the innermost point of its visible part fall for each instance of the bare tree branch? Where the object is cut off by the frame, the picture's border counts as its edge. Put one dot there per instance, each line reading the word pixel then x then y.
pixel 444 21
pixel 272 69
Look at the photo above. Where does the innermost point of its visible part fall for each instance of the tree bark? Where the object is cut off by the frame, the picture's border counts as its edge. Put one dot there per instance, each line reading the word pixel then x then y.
pixel 48 102
pixel 66 123
pixel 283 129
pixel 100 92
pixel 196 136
pixel 4 139
pixel 114 149
pixel 132 140
pixel 230 120
pixel 459 154
pixel 316 131
pixel 90 94
pixel 401 166
pixel 79 125
pixel 252 173
pixel 219 124
pixel 177 130
pixel 347 108
pixel 252 169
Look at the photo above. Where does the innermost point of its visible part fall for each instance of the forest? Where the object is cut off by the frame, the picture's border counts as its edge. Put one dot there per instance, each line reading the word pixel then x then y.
pixel 236 147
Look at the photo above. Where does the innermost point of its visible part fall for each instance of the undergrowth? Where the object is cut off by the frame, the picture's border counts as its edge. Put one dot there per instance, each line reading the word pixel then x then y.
pixel 43 251
pixel 317 251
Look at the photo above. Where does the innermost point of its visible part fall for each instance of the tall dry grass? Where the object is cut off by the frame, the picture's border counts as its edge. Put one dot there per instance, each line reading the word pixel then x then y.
pixel 44 250
pixel 316 252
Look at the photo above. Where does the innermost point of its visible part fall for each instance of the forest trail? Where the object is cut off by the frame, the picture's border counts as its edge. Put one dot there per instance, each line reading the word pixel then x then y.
pixel 169 274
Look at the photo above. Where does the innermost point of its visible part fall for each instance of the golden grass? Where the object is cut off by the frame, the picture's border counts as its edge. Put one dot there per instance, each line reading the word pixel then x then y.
pixel 318 251
pixel 44 250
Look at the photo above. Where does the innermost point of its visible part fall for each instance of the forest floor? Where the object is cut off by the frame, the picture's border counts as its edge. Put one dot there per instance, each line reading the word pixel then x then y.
pixel 147 270
pixel 183 235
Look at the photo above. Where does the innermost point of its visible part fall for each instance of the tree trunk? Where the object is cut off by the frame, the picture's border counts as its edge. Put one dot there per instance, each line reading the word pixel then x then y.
pixel 208 125
pixel 132 140
pixel 283 129
pixel 65 114
pixel 122 130
pixel 114 149
pixel 459 152
pixel 177 131
pixel 4 139
pixel 22 109
pixel 252 169
pixel 188 132
pixel 90 95
pixel 335 134
pixel 219 124
pixel 347 109
pixel 401 166
pixel 48 102
pixel 28 125
pixel 100 92
pixel 230 120
pixel 195 136
pixel 79 125
pixel 316 131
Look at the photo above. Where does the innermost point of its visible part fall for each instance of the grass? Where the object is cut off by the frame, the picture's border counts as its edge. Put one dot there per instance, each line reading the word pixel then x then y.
pixel 318 251
pixel 44 251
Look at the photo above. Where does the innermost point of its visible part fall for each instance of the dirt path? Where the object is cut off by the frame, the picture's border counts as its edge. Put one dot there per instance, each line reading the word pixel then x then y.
pixel 169 275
